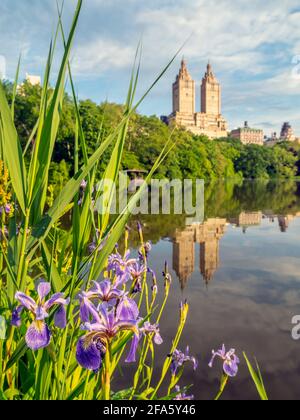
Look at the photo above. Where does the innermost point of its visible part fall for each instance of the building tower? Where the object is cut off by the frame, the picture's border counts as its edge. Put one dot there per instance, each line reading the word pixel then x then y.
pixel 287 133
pixel 184 92
pixel 210 93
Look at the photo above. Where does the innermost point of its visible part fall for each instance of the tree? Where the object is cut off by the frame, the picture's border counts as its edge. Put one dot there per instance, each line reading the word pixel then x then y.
pixel 253 162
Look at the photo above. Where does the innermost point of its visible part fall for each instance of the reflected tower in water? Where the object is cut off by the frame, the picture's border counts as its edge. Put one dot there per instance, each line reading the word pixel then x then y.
pixel 284 222
pixel 246 220
pixel 208 235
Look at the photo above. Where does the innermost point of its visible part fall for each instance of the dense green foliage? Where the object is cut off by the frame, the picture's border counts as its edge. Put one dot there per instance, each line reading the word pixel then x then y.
pixel 192 157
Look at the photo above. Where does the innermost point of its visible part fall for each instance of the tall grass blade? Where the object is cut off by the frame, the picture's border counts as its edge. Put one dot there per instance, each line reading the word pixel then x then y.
pixel 15 88
pixel 12 151
pixel 257 379
pixel 50 128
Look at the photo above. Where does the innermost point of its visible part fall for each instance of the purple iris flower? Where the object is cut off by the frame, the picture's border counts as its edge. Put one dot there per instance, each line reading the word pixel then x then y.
pixel 83 184
pixel 108 323
pixel 167 276
pixel 38 334
pixel 179 359
pixel 83 187
pixel 182 396
pixel 154 287
pixel 121 267
pixel 152 329
pixel 92 247
pixel 230 359
pixel 127 308
pixel 7 208
pixel 137 271
pixel 104 292
pixel 144 251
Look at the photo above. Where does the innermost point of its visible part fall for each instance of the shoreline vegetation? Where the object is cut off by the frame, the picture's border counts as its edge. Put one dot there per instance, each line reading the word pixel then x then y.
pixel 70 317
pixel 192 157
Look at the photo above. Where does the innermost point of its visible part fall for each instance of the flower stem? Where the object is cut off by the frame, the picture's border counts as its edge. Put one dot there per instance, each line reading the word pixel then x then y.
pixel 106 374
pixel 167 364
pixel 224 381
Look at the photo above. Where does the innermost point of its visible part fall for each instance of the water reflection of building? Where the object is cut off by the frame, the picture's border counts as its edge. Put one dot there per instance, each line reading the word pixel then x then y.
pixel 208 235
pixel 247 219
pixel 284 222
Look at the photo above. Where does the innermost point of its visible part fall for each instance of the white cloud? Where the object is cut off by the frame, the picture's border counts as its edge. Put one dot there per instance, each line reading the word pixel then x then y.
pixel 227 32
pixel 100 55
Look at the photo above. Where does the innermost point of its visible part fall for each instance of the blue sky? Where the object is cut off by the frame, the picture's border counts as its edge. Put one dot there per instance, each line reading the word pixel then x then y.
pixel 254 48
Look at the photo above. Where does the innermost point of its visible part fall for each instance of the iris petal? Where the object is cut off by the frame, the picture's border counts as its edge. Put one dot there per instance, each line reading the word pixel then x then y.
pixel 60 317
pixel 88 354
pixel 231 369
pixel 38 335
pixel 131 358
pixel 43 290
pixel 26 301
pixel 87 310
pixel 158 339
pixel 16 316
pixel 127 310
pixel 41 314
pixel 105 287
pixel 84 312
pixel 122 278
pixel 55 299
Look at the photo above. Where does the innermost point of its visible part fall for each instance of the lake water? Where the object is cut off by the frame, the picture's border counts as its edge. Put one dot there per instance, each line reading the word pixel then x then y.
pixel 240 273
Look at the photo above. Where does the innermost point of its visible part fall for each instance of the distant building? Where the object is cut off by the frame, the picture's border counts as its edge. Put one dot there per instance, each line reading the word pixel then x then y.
pixel 248 135
pixel 287 133
pixel 209 121
pixel 33 80
pixel 271 141
pixel 247 219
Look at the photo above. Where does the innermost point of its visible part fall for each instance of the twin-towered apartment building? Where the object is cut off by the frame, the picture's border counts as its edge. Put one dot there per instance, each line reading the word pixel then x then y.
pixel 209 121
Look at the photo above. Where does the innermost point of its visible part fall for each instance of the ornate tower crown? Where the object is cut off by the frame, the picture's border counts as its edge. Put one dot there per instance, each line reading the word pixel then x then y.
pixel 210 93
pixel 183 72
pixel 209 75
pixel 184 92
